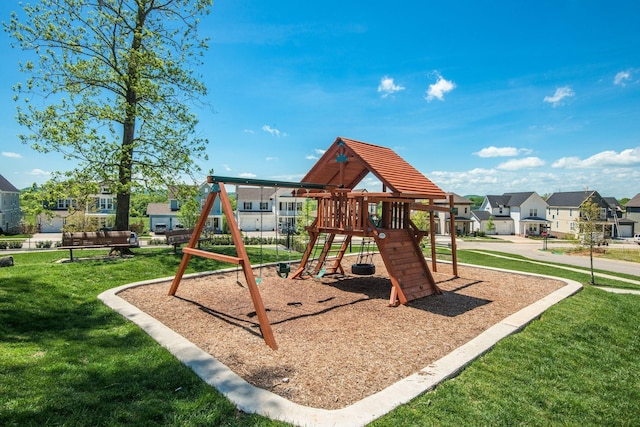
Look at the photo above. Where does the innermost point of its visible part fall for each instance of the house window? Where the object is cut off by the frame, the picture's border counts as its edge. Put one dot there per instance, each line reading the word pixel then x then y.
pixel 465 210
pixel 264 206
pixel 64 203
pixel 570 212
pixel 106 203
pixel 533 212
pixel 572 226
pixel 500 209
pixel 247 206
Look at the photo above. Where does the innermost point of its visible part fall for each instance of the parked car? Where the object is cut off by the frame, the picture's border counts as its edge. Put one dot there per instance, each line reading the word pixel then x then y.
pixel 160 228
pixel 636 238
pixel 133 240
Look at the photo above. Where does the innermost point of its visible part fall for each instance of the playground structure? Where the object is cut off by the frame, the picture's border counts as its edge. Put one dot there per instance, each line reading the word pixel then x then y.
pixel 343 211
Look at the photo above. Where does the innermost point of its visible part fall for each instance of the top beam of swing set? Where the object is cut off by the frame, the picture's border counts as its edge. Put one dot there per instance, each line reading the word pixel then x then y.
pixel 268 183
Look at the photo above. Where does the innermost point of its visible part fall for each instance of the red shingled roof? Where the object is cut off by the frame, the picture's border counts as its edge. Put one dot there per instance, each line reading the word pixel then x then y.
pixel 363 158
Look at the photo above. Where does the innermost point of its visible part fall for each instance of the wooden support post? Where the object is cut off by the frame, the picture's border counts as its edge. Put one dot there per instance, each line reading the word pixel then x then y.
pixel 432 238
pixel 454 255
pixel 202 220
pixel 265 326
pixel 242 258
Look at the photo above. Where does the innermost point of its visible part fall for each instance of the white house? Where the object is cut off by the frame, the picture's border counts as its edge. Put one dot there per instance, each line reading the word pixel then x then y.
pixel 512 213
pixel 267 209
pixel 9 206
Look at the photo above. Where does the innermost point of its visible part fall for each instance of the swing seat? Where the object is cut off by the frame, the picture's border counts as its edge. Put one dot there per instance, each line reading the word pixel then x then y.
pixel 363 269
pixel 283 269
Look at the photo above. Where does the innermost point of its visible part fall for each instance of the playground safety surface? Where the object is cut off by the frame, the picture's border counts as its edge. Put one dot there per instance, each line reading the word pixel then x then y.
pixel 338 341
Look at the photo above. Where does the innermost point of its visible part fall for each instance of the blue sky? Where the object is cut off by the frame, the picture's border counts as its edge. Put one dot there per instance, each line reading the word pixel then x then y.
pixel 481 97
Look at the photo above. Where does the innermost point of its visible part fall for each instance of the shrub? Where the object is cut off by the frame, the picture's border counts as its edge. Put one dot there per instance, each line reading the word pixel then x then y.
pixel 43 244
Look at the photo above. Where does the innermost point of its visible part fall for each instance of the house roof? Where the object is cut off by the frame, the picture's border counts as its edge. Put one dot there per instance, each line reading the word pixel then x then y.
pixel 509 199
pixel 6 186
pixel 498 200
pixel 159 209
pixel 634 202
pixel 348 161
pixel 613 203
pixel 485 215
pixel 253 193
pixel 569 198
pixel 457 200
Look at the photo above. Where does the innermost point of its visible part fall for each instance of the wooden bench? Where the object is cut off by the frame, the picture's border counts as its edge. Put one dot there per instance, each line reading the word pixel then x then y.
pixel 181 236
pixel 95 240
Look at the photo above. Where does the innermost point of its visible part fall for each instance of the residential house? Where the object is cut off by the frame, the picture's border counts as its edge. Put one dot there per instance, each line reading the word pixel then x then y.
pixel 632 210
pixel 167 213
pixel 462 215
pixel 101 207
pixel 621 226
pixel 520 213
pixel 267 209
pixel 9 206
pixel 563 212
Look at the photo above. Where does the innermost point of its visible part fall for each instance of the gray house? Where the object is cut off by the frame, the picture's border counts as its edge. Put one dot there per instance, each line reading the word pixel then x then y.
pixel 632 209
pixel 9 206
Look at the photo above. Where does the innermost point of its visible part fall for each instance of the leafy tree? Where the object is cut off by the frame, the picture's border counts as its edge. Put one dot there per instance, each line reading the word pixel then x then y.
pixel 491 226
pixel 624 200
pixel 189 213
pixel 141 199
pixel 588 226
pixel 110 89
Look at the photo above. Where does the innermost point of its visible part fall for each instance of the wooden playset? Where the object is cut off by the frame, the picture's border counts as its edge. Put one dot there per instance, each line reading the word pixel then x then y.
pixel 346 212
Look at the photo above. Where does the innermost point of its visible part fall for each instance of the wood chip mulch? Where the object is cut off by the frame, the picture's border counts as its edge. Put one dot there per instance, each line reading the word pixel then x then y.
pixel 338 341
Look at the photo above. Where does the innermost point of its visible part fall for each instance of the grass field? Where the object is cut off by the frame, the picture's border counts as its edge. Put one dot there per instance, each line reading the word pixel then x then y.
pixel 68 360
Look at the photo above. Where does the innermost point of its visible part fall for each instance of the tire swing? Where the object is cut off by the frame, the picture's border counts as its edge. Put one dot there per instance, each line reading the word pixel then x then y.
pixel 364 265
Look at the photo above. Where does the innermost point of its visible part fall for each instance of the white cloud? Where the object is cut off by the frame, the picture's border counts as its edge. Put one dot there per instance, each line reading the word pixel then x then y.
pixel 621 77
pixel 247 175
pixel 318 153
pixel 38 172
pixel 439 88
pixel 226 167
pixel 269 159
pixel 628 157
pixel 561 93
pixel 11 155
pixel 516 164
pixel 249 131
pixel 273 131
pixel 388 87
pixel 501 151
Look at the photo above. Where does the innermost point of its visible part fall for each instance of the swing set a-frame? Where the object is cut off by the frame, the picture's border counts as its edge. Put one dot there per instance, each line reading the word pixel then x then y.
pixel 349 213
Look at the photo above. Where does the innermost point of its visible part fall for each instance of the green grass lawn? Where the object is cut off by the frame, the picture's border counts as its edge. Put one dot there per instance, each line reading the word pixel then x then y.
pixel 66 359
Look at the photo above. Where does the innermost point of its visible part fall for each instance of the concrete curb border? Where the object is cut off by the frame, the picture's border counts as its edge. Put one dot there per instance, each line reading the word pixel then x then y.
pixel 251 399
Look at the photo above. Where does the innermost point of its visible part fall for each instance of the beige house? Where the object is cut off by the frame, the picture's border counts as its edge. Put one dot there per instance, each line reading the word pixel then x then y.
pixel 461 212
pixel 563 213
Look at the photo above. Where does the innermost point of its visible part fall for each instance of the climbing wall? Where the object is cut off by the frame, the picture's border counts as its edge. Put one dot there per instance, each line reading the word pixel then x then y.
pixel 407 268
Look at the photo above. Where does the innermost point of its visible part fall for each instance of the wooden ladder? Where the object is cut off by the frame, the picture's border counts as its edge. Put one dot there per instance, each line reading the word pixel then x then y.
pixel 408 270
